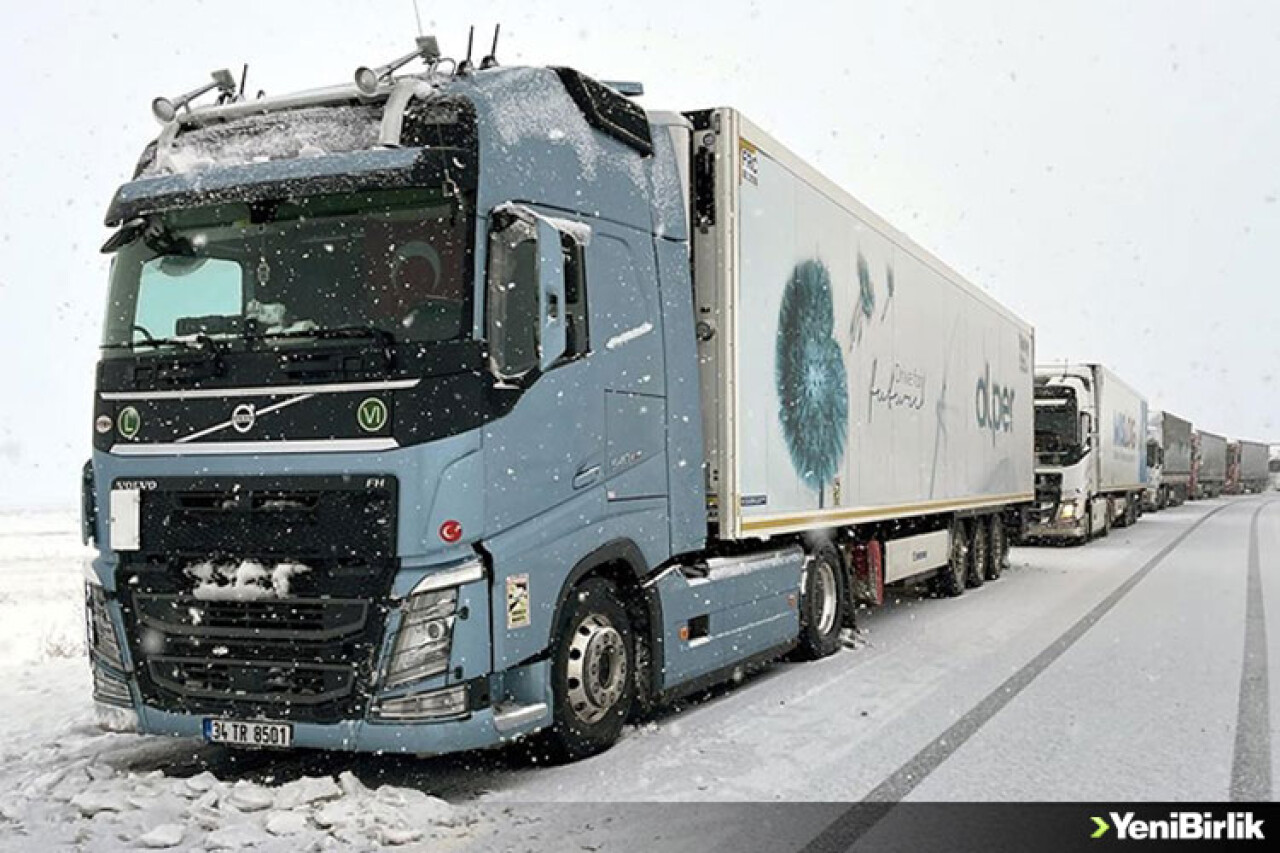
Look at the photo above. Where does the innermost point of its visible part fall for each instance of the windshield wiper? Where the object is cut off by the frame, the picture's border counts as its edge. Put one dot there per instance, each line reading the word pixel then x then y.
pixel 384 337
pixel 199 343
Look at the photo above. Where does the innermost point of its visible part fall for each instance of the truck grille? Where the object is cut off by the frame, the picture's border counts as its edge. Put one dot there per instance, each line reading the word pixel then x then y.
pixel 308 656
pixel 1048 488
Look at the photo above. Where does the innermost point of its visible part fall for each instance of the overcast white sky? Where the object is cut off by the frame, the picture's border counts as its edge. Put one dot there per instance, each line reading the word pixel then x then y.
pixel 1108 170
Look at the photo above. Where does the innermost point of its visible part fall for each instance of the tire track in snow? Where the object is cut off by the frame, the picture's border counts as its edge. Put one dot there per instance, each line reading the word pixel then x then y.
pixel 842 833
pixel 1251 763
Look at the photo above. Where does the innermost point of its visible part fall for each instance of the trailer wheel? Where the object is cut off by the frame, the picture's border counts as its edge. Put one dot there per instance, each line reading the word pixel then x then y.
pixel 1130 512
pixel 949 582
pixel 823 603
pixel 999 549
pixel 592 681
pixel 980 546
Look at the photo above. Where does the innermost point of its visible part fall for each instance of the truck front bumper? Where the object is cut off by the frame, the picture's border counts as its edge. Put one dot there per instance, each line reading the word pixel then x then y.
pixel 1047 525
pixel 478 728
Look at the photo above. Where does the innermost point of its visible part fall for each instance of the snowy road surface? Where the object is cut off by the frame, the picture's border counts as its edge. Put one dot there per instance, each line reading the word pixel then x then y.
pixel 1136 667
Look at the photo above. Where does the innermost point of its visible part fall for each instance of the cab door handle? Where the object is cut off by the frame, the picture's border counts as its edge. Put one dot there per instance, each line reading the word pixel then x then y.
pixel 586 476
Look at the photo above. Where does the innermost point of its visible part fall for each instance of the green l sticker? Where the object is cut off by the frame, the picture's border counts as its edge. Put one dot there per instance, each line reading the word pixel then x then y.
pixel 372 414
pixel 128 422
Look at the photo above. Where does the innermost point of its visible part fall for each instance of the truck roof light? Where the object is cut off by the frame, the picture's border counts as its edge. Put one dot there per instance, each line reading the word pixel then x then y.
pixel 166 109
pixel 367 79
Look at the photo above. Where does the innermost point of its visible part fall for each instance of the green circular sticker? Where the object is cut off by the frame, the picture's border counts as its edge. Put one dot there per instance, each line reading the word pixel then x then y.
pixel 372 414
pixel 128 422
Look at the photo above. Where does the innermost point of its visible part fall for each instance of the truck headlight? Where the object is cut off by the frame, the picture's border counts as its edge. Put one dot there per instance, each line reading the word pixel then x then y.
pixel 425 637
pixel 1068 510
pixel 100 634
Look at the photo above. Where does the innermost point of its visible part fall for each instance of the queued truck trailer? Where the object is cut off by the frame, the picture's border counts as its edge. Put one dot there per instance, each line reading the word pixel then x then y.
pixel 445 409
pixel 1169 453
pixel 1209 471
pixel 1091 460
pixel 1273 466
pixel 1247 467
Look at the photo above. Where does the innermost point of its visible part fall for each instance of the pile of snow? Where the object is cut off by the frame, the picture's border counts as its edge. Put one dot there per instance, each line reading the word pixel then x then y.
pixel 308 132
pixel 151 810
pixel 245 581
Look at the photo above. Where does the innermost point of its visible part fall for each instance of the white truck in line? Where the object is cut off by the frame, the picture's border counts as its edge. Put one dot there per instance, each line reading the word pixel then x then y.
pixel 1210 469
pixel 1247 467
pixel 1091 461
pixel 1169 454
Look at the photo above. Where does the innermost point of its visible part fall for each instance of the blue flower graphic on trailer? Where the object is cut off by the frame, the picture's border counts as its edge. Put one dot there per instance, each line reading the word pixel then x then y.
pixel 813 390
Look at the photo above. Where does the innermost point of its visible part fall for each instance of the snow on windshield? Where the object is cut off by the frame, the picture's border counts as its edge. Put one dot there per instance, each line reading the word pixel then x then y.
pixel 306 132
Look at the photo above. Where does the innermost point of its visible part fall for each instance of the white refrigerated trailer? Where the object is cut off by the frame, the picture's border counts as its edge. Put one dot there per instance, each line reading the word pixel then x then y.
pixel 1091 461
pixel 854 385
pixel 1169 453
pixel 1211 464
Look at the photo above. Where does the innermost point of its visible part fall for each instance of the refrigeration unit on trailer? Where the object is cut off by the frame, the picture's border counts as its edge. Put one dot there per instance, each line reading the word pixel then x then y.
pixel 1091 456
pixel 1210 465
pixel 1247 467
pixel 444 409
pixel 1169 454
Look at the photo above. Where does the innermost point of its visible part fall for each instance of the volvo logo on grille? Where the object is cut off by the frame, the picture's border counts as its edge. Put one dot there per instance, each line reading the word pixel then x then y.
pixel 243 417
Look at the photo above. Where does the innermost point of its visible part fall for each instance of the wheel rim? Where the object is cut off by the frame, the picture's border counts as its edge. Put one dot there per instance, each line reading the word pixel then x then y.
pixel 597 671
pixel 824 592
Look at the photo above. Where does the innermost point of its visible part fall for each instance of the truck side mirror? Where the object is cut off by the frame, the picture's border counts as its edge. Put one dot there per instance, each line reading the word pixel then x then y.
pixel 512 297
pixel 551 298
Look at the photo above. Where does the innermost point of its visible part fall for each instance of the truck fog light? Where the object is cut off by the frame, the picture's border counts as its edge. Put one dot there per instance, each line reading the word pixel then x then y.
pixel 436 705
pixel 425 637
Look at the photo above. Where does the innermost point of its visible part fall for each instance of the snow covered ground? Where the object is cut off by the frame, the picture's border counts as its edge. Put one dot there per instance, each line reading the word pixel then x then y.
pixel 1160 668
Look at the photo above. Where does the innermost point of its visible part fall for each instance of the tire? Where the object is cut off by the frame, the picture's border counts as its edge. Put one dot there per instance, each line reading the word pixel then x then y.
pixel 998 549
pixel 823 604
pixel 980 552
pixel 1130 513
pixel 949 582
pixel 593 681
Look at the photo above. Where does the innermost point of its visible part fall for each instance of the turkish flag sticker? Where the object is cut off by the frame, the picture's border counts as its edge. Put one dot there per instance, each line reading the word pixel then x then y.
pixel 451 531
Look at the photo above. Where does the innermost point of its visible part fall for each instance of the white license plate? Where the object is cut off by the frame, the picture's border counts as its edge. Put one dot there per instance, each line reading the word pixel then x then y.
pixel 236 733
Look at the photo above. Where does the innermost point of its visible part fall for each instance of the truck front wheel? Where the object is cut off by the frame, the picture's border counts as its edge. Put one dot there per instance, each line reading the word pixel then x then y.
pixel 822 604
pixel 593 679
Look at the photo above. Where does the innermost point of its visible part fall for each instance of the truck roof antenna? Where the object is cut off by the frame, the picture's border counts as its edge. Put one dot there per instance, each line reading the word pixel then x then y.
pixel 491 60
pixel 465 66
pixel 166 109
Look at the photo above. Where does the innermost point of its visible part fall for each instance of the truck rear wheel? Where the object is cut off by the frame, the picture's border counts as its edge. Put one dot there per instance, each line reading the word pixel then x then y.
pixel 980 545
pixel 592 673
pixel 949 582
pixel 999 549
pixel 822 604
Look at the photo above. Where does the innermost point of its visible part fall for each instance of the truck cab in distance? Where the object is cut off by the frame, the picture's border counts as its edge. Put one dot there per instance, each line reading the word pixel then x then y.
pixel 1091 454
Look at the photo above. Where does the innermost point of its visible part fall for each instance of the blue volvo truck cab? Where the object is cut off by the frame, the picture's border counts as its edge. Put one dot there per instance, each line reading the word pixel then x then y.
pixel 397 440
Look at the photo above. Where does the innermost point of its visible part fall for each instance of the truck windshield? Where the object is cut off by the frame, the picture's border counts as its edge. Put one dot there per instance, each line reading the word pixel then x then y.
pixel 391 263
pixel 1057 439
